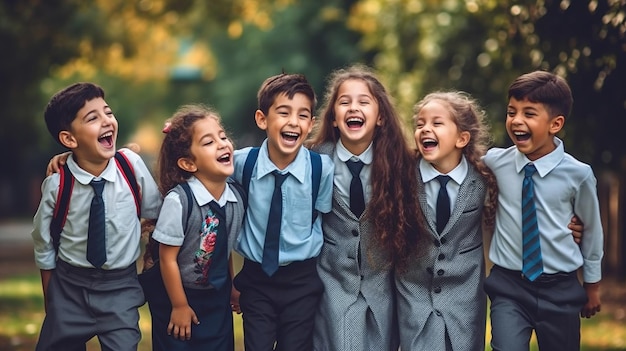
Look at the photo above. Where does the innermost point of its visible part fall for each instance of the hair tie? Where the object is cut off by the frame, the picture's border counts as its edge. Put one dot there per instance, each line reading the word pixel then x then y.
pixel 167 127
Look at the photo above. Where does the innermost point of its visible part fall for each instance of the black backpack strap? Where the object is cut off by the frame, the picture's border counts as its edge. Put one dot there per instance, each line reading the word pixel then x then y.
pixel 62 205
pixel 129 175
pixel 248 167
pixel 187 206
pixel 316 178
pixel 239 188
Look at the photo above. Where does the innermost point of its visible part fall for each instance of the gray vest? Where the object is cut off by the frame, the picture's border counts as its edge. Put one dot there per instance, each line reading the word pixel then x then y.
pixel 235 212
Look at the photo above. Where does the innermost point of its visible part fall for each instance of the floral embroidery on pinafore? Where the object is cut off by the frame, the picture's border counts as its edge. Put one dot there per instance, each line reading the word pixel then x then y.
pixel 208 236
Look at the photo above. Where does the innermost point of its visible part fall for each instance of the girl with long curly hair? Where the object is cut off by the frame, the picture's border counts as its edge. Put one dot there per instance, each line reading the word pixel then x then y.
pixel 370 209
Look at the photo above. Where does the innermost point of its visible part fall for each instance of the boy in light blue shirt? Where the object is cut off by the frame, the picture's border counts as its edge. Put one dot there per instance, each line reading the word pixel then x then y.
pixel 533 284
pixel 279 284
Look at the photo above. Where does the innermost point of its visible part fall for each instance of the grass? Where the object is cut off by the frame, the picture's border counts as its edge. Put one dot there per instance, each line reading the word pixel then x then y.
pixel 21 314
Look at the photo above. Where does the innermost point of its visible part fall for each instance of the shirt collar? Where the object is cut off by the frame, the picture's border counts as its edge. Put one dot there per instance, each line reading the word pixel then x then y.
pixel 296 168
pixel 84 177
pixel 544 164
pixel 458 174
pixel 344 155
pixel 203 196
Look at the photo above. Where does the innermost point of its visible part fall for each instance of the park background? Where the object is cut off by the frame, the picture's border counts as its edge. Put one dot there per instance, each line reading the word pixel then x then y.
pixel 151 56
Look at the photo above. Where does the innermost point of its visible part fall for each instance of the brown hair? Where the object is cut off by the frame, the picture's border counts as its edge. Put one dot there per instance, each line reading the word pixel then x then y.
pixel 289 84
pixel 65 104
pixel 394 207
pixel 469 117
pixel 177 142
pixel 545 88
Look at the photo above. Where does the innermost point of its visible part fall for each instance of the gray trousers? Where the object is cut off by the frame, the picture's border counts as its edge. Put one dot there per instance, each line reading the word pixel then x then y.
pixel 84 302
pixel 551 307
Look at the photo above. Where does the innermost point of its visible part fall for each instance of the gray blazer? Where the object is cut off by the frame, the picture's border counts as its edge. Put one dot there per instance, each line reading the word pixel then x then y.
pixel 442 291
pixel 357 308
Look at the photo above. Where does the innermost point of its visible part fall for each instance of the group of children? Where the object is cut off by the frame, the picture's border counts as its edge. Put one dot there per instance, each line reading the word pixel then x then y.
pixel 365 244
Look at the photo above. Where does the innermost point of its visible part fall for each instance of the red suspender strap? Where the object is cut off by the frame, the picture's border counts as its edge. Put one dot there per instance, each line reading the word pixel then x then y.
pixel 129 175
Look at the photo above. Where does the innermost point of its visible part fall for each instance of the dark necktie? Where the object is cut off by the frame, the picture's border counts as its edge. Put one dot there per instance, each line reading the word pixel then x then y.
pixel 532 266
pixel 272 234
pixel 96 244
pixel 218 272
pixel 357 201
pixel 443 203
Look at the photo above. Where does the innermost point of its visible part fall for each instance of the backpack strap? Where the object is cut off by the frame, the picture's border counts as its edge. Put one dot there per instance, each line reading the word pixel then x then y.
pixel 316 179
pixel 316 175
pixel 129 175
pixel 61 206
pixel 239 188
pixel 247 168
pixel 187 207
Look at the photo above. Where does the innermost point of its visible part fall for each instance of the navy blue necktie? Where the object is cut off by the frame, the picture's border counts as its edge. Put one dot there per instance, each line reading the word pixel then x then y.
pixel 357 200
pixel 96 241
pixel 532 266
pixel 272 234
pixel 443 203
pixel 218 272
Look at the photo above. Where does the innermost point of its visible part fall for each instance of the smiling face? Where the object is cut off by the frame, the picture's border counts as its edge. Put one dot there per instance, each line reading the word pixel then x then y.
pixel 438 138
pixel 532 128
pixel 356 115
pixel 211 152
pixel 92 136
pixel 287 124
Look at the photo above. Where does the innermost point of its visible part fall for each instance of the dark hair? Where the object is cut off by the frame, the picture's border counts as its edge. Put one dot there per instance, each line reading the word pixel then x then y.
pixel 289 84
pixel 177 143
pixel 544 88
pixel 394 207
pixel 65 104
pixel 470 117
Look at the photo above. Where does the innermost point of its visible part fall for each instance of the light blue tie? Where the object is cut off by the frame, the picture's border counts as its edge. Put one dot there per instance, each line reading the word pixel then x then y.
pixel 532 262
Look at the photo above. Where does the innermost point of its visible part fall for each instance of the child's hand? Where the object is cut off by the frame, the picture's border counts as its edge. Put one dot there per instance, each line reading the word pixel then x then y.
pixel 56 162
pixel 234 300
pixel 577 227
pixel 180 322
pixel 593 300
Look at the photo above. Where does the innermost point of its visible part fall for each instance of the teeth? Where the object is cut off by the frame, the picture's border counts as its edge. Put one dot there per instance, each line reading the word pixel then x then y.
pixel 295 135
pixel 355 119
pixel 224 157
pixel 429 141
pixel 520 133
pixel 105 135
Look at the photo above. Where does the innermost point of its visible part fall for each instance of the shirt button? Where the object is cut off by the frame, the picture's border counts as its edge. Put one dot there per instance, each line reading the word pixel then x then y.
pixel 355 232
pixel 437 290
pixel 438 313
pixel 441 257
pixel 440 272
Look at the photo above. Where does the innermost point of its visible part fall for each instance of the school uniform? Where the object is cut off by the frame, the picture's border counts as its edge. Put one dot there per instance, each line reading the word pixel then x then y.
pixel 85 301
pixel 357 309
pixel 563 186
pixel 211 305
pixel 281 307
pixel 441 303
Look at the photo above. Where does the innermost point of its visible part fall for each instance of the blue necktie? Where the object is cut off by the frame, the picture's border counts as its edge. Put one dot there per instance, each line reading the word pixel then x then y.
pixel 272 234
pixel 357 201
pixel 532 263
pixel 218 272
pixel 96 244
pixel 443 203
